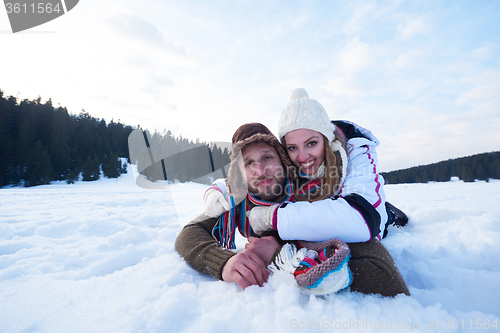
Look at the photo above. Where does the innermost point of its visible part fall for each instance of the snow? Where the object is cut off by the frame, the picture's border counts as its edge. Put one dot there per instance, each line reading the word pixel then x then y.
pixel 100 257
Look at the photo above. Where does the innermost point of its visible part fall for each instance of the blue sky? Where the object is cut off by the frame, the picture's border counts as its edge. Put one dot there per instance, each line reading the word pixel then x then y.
pixel 423 76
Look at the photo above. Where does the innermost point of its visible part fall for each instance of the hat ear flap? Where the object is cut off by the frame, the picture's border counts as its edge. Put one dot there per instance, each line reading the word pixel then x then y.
pixel 237 179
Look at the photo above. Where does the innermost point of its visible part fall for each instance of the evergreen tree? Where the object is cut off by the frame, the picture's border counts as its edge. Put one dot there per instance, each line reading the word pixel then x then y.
pixel 494 171
pixel 73 176
pixel 91 171
pixel 467 175
pixel 112 166
pixel 38 169
pixel 76 168
pixel 6 143
pixel 424 178
pixel 59 148
pixel 481 173
pixel 24 146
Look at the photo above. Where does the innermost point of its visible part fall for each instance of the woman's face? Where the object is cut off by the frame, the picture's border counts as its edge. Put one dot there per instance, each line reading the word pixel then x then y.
pixel 306 149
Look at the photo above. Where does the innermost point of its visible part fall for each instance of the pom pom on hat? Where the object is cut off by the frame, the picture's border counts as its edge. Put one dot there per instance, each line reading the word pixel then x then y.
pixel 298 93
pixel 303 112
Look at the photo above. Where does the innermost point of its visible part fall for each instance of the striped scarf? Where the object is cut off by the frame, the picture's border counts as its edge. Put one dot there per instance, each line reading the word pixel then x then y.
pixel 231 220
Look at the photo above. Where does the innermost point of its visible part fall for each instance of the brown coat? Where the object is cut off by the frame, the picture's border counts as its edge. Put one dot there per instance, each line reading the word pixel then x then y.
pixel 200 250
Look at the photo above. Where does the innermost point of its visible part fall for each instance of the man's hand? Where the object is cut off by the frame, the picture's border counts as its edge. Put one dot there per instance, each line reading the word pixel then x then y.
pixel 264 247
pixel 246 269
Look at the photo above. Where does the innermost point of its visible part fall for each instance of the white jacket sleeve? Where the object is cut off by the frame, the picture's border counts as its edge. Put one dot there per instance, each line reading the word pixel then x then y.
pixel 358 215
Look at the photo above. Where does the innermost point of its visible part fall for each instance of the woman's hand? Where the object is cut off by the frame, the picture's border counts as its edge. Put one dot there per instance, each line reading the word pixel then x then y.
pixel 261 218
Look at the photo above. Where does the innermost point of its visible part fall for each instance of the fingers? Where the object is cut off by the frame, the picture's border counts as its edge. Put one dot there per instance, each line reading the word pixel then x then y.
pixel 241 281
pixel 246 269
pixel 254 244
pixel 263 239
pixel 251 277
pixel 263 247
pixel 252 240
pixel 254 269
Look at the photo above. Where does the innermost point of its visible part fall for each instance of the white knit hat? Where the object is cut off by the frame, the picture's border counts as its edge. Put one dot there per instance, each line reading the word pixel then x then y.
pixel 304 112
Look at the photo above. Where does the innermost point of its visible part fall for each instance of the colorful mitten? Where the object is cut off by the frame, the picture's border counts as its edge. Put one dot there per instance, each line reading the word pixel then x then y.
pixel 329 272
pixel 319 268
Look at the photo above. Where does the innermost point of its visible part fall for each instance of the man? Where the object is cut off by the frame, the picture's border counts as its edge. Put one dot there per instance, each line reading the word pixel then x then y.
pixel 260 165
pixel 261 157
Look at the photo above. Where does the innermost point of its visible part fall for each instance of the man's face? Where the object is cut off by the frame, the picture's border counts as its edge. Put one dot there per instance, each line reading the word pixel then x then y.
pixel 264 171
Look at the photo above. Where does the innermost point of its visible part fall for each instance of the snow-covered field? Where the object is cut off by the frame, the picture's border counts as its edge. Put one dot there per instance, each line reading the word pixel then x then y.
pixel 100 257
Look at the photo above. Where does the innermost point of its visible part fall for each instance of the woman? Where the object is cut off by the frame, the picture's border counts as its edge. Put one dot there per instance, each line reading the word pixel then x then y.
pixel 336 161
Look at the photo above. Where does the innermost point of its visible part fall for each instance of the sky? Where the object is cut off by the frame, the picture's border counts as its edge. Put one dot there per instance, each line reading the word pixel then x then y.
pixel 422 76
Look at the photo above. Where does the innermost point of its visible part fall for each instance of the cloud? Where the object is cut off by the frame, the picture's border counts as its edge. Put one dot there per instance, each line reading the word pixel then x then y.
pixel 141 29
pixel 413 26
pixel 156 84
pixel 162 81
pixel 407 58
pixel 486 86
pixel 355 57
pixel 362 15
pixel 480 93
pixel 484 52
pixel 339 108
pixel 346 85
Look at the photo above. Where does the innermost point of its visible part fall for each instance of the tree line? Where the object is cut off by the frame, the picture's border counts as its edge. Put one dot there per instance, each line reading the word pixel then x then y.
pixel 40 143
pixel 470 168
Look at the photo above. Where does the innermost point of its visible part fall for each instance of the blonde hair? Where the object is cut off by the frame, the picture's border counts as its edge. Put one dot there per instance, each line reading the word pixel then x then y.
pixel 331 180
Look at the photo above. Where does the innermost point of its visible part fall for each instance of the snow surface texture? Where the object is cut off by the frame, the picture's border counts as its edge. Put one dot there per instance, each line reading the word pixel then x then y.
pixel 100 257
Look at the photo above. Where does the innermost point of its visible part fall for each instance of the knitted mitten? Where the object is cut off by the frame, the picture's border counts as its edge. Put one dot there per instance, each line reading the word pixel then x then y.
pixel 307 263
pixel 329 272
pixel 318 268
pixel 215 203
